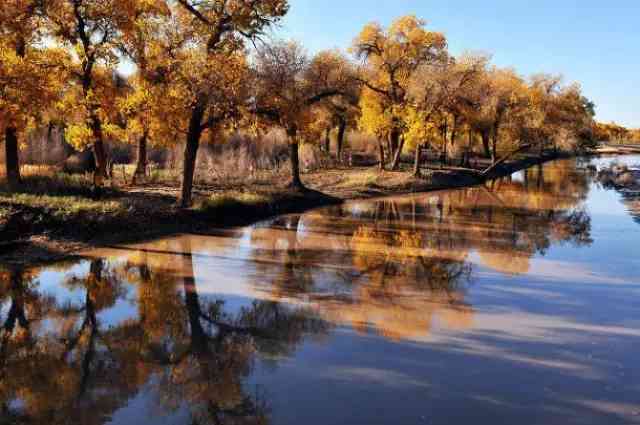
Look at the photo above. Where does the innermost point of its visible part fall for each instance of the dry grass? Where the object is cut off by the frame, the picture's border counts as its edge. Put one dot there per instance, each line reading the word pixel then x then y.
pixel 243 158
pixel 363 143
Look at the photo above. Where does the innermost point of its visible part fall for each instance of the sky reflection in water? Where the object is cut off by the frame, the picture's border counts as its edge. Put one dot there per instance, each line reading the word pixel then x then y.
pixel 513 302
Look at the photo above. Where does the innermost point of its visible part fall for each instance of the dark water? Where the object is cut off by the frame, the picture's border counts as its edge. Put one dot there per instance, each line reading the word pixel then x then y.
pixel 513 303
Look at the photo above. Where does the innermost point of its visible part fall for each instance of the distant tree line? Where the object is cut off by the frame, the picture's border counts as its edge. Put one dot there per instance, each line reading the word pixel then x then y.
pixel 612 132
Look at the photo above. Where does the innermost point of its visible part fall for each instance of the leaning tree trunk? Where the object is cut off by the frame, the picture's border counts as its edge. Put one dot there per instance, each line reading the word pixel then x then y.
pixel 12 157
pixel 342 126
pixel 296 182
pixel 396 158
pixel 190 155
pixel 141 166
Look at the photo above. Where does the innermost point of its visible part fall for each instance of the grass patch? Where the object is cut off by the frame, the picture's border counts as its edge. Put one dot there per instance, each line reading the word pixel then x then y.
pixel 63 206
pixel 58 198
pixel 53 184
pixel 231 201
pixel 367 179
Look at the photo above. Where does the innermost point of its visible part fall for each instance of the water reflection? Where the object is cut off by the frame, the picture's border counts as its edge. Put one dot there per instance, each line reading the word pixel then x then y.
pixel 182 321
pixel 624 177
pixel 393 265
pixel 62 363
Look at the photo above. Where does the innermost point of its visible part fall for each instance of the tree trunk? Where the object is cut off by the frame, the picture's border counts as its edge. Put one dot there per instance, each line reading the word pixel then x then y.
pixel 342 126
pixel 494 145
pixel 504 159
pixel 540 177
pixel 327 140
pixel 485 143
pixel 389 149
pixel 141 166
pixel 467 153
pixel 191 154
pixel 12 157
pixel 454 130
pixel 394 141
pixel 381 153
pixel 296 182
pixel 396 159
pixel 99 153
pixel 416 164
pixel 445 132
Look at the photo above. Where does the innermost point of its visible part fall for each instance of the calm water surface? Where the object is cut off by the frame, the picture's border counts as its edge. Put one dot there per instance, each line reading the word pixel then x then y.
pixel 516 302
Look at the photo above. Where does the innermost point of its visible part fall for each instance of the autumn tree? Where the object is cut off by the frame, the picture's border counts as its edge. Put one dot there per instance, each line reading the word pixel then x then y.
pixel 501 95
pixel 390 59
pixel 289 84
pixel 456 82
pixel 558 115
pixel 439 97
pixel 611 132
pixel 205 66
pixel 143 45
pixel 200 92
pixel 90 29
pixel 30 80
pixel 337 112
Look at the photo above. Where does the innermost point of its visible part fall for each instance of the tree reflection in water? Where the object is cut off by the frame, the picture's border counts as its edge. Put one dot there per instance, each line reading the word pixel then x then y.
pixel 62 363
pixel 394 267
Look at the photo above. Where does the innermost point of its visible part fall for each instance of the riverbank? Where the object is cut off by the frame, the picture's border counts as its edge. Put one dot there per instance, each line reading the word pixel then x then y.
pixel 38 227
pixel 612 149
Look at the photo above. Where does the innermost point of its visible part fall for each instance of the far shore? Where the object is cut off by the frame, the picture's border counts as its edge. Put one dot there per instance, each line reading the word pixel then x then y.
pixel 618 149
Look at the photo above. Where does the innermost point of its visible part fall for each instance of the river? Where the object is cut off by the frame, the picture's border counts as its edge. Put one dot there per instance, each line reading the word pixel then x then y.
pixel 516 302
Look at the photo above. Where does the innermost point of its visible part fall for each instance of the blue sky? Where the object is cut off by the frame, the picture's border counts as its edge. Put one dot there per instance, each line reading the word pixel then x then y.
pixel 596 43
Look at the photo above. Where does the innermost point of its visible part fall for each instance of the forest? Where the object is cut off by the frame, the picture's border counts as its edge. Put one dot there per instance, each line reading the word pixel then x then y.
pixel 215 104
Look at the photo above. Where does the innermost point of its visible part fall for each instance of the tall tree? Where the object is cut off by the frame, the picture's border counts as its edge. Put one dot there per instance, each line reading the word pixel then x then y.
pixel 28 83
pixel 91 29
pixel 142 44
pixel 216 32
pixel 339 112
pixel 289 85
pixel 391 57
